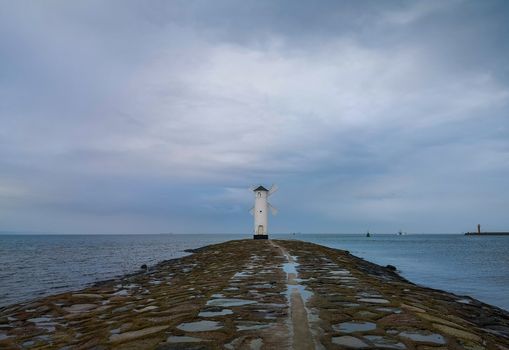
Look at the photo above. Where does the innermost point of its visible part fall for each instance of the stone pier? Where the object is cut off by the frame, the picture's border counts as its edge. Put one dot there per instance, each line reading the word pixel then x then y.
pixel 263 294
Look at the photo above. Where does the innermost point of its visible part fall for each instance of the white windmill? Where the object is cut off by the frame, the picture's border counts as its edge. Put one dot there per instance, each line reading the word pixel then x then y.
pixel 260 211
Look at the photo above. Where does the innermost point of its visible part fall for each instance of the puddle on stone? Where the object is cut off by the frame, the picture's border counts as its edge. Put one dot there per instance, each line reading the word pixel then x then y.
pixel 183 339
pixel 148 308
pixel 313 315
pixel 48 326
pixel 241 274
pixel 369 295
pixel 39 319
pixel 423 337
pixel 290 267
pixel 266 314
pixel 464 301
pixel 256 344
pixel 350 304
pixel 350 327
pixel 348 278
pixel 122 293
pixel 374 300
pixel 251 326
pixel 385 343
pixel 3 336
pixel 262 286
pixel 304 293
pixel 230 302
pixel 217 296
pixel 77 308
pixel 255 293
pixel 200 326
pixel 393 310
pixel 349 342
pixel 215 313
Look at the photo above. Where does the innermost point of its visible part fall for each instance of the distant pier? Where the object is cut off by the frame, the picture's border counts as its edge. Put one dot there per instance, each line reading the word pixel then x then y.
pixel 479 233
pixel 487 234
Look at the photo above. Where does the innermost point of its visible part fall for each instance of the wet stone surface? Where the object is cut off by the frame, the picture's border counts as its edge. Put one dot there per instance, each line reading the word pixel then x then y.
pixel 256 295
pixel 426 337
pixel 200 326
pixel 384 342
pixel 350 327
pixel 183 339
pixel 350 342
pixel 222 312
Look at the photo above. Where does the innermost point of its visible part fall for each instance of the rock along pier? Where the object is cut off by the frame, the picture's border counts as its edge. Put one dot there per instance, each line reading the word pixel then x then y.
pixel 257 295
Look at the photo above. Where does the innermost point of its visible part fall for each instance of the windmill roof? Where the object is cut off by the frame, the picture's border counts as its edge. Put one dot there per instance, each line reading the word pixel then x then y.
pixel 260 188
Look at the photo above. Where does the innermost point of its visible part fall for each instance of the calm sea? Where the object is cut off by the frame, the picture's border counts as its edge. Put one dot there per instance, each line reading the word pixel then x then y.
pixel 37 265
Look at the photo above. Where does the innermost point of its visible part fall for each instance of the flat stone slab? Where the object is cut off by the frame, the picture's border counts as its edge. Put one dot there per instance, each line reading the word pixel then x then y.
pixel 230 302
pixel 80 308
pixel 122 337
pixel 425 337
pixel 350 342
pixel 200 326
pixel 183 339
pixel 373 300
pixel 385 342
pixel 350 327
pixel 223 312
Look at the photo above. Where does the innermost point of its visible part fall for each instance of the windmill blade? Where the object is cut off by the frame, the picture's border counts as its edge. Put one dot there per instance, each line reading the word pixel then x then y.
pixel 252 187
pixel 251 211
pixel 273 210
pixel 273 189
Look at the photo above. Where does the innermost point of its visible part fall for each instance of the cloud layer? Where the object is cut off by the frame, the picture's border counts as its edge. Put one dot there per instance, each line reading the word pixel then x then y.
pixel 142 118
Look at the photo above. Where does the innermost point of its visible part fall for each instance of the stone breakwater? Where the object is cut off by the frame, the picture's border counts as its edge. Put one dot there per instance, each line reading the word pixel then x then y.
pixel 257 295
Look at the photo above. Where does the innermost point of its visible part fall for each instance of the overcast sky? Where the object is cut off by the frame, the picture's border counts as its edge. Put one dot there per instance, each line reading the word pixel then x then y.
pixel 148 117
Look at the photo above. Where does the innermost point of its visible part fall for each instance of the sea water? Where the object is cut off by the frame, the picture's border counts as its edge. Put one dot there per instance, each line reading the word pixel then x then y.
pixel 36 265
pixel 464 265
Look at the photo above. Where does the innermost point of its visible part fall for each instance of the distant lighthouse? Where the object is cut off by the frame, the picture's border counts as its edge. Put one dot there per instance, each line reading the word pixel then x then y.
pixel 260 211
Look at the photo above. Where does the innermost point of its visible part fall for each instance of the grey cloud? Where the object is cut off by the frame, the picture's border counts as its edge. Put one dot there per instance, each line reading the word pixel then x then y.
pixel 161 115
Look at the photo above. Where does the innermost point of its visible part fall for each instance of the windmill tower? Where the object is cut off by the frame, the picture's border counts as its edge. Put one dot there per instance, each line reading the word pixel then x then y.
pixel 260 211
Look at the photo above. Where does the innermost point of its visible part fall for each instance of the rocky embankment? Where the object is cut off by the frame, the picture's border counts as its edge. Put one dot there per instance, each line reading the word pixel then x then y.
pixel 257 295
